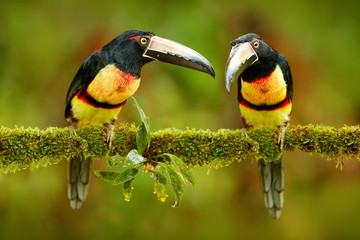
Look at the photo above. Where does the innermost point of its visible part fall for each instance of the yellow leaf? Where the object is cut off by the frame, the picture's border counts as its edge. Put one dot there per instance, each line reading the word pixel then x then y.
pixel 160 191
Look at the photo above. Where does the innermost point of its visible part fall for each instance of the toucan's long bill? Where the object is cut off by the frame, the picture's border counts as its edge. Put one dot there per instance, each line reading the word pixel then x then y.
pixel 241 56
pixel 175 53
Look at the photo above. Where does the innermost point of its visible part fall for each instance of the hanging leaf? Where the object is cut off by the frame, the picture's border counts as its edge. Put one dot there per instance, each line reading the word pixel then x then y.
pixel 127 175
pixel 182 168
pixel 160 191
pixel 106 175
pixel 159 185
pixel 127 189
pixel 176 182
pixel 114 160
pixel 142 139
pixel 158 177
pixel 133 158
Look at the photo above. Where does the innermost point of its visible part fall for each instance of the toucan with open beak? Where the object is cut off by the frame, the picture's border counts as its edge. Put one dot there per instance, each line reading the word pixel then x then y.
pixel 265 99
pixel 106 79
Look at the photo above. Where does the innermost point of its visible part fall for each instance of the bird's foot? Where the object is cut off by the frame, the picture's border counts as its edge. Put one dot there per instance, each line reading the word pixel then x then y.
pixel 110 134
pixel 281 137
pixel 72 130
pixel 243 131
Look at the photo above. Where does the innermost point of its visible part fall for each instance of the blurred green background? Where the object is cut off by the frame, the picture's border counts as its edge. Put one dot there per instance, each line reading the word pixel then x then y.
pixel 42 45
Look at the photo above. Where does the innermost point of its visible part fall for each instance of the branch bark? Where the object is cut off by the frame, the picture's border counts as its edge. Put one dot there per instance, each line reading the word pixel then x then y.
pixel 21 148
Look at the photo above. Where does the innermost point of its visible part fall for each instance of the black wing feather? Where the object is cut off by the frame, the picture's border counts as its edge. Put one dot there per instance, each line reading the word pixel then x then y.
pixel 285 67
pixel 86 73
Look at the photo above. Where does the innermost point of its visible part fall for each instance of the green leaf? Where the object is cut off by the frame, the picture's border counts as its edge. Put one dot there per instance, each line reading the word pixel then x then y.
pixel 133 158
pixel 142 139
pixel 160 191
pixel 182 168
pixel 143 135
pixel 144 119
pixel 176 182
pixel 127 189
pixel 106 175
pixel 126 175
pixel 143 116
pixel 158 177
pixel 114 160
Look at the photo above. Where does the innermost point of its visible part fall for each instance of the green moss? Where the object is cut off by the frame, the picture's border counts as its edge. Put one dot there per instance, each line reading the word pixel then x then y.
pixel 267 140
pixel 21 148
pixel 96 140
pixel 324 140
pixel 198 147
pixel 124 139
pixel 350 140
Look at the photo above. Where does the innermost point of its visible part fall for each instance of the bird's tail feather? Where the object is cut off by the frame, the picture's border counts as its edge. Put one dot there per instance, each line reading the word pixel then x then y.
pixel 78 180
pixel 272 180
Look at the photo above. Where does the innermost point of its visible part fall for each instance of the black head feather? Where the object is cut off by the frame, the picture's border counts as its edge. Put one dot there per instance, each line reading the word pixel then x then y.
pixel 126 52
pixel 268 57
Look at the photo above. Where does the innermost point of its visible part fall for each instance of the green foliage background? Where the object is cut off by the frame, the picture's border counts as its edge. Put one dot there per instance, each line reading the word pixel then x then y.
pixel 43 43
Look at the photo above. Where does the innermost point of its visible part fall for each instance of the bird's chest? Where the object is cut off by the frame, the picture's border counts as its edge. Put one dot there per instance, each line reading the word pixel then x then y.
pixel 112 86
pixel 265 91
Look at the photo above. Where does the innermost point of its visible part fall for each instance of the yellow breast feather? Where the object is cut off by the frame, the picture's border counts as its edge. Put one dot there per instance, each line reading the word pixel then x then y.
pixel 269 90
pixel 90 115
pixel 112 86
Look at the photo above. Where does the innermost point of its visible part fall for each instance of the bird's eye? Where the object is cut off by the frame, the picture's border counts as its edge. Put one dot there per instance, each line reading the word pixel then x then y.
pixel 143 40
pixel 256 44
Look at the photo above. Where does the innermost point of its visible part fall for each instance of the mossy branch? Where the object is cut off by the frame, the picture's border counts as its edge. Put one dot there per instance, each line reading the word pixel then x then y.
pixel 21 148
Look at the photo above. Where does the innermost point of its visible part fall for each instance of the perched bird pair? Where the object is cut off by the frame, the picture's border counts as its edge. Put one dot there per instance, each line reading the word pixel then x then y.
pixel 109 76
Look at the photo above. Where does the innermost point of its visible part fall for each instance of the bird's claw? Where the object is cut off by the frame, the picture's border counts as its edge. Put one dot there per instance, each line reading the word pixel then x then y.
pixel 110 134
pixel 72 130
pixel 243 131
pixel 281 137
